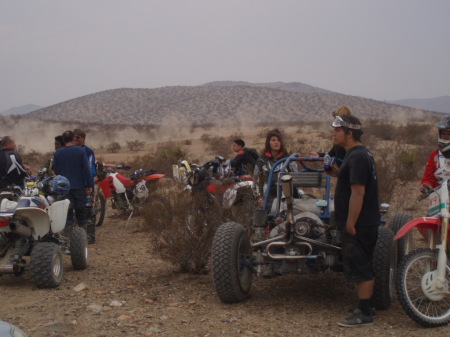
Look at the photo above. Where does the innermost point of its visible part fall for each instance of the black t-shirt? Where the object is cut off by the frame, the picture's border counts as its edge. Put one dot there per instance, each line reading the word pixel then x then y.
pixel 358 168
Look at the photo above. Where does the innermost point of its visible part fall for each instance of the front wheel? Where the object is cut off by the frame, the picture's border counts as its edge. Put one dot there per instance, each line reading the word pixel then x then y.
pixel 46 265
pixel 99 207
pixel 231 262
pixel 414 269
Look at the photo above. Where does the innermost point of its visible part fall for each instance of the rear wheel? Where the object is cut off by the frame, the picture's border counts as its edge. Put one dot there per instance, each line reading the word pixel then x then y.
pixel 99 206
pixel 423 304
pixel 46 265
pixel 78 248
pixel 231 262
pixel 384 263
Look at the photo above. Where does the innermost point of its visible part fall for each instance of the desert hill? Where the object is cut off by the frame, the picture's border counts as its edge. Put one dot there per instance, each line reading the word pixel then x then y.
pixel 217 103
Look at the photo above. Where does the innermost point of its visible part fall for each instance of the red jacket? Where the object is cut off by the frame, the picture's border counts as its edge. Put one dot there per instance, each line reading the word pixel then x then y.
pixel 432 166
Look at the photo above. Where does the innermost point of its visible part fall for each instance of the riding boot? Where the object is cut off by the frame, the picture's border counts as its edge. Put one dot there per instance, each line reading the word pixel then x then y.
pixel 90 230
pixel 90 225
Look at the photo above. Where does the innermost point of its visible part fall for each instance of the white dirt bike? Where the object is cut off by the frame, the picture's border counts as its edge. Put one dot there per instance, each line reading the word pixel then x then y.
pixel 423 276
pixel 31 227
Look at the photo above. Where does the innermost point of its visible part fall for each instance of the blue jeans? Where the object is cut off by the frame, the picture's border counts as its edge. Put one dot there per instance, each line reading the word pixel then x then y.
pixel 78 204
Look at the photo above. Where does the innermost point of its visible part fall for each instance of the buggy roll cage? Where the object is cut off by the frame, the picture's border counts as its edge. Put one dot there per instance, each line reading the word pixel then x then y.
pixel 305 177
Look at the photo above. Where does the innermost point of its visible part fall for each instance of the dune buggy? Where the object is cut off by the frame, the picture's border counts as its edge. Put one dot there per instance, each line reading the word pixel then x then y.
pixel 298 235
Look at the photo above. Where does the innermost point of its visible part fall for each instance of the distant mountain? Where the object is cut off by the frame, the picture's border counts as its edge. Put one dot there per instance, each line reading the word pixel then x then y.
pixel 21 110
pixel 438 104
pixel 293 86
pixel 217 103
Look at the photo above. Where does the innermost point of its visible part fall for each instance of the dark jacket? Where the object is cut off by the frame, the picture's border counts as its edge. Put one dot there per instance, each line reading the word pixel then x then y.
pixel 12 171
pixel 71 162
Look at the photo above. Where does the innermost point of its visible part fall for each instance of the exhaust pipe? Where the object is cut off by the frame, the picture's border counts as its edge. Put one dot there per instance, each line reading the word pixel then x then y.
pixel 20 230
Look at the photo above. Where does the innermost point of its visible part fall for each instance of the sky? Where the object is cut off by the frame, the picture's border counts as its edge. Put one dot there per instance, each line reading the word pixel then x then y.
pixel 53 50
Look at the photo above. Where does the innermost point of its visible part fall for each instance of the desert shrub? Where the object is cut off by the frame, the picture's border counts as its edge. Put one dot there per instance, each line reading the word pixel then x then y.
pixel 380 130
pixel 417 133
pixel 167 155
pixel 219 146
pixel 185 240
pixel 35 159
pixel 205 138
pixel 398 163
pixel 113 147
pixel 135 145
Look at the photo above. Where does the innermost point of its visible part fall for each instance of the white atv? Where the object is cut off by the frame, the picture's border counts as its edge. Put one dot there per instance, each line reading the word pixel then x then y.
pixel 32 227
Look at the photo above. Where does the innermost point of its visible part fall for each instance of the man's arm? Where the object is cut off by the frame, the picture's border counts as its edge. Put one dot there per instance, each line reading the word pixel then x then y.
pixel 355 206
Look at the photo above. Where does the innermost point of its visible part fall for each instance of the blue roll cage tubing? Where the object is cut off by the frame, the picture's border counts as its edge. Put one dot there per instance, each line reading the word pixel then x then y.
pixel 302 160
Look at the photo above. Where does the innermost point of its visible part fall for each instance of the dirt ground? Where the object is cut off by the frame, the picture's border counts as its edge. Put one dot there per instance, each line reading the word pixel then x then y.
pixel 127 292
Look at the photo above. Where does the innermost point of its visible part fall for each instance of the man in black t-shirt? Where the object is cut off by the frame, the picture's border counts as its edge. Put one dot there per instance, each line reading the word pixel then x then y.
pixel 357 214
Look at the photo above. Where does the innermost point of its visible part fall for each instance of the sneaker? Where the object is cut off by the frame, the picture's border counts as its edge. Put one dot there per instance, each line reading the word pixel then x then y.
pixel 373 311
pixel 357 318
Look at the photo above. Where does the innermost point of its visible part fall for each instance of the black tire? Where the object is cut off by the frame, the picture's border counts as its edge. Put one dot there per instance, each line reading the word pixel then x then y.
pixel 46 265
pixel 99 206
pixel 231 263
pixel 412 298
pixel 384 264
pixel 397 222
pixel 78 248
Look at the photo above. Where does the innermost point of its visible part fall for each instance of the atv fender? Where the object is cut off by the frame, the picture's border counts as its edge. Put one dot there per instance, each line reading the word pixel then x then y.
pixel 58 215
pixel 37 219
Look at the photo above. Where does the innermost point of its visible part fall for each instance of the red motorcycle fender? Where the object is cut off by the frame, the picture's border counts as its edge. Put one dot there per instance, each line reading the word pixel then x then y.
pixel 422 224
pixel 153 176
pixel 107 187
pixel 216 189
pixel 127 182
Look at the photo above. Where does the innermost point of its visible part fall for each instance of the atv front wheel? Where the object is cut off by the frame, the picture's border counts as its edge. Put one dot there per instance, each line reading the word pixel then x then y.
pixel 384 263
pixel 46 265
pixel 231 262
pixel 78 248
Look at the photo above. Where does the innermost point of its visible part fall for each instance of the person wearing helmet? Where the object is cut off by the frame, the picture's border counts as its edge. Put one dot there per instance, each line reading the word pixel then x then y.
pixel 438 165
pixel 336 151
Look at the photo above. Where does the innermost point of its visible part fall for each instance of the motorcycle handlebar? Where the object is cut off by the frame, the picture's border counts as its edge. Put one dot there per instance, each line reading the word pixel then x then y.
pixel 118 166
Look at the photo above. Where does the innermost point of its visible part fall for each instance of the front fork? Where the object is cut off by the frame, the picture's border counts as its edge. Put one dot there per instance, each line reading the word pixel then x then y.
pixel 442 256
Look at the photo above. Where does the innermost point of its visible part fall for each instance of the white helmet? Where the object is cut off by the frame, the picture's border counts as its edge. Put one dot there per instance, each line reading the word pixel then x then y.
pixel 444 145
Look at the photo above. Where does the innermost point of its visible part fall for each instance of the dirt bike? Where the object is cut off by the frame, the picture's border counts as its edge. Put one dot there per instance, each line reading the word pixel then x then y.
pixel 423 276
pixel 32 226
pixel 223 193
pixel 296 235
pixel 127 194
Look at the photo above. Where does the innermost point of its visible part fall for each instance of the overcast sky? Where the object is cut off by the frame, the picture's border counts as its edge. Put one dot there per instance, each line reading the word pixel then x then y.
pixel 53 51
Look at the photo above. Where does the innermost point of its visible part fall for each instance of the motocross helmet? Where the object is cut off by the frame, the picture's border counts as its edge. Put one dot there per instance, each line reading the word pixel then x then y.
pixel 57 185
pixel 444 144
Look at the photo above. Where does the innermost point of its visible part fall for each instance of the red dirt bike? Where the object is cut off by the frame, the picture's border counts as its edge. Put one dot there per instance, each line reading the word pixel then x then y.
pixel 226 195
pixel 127 194
pixel 423 276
